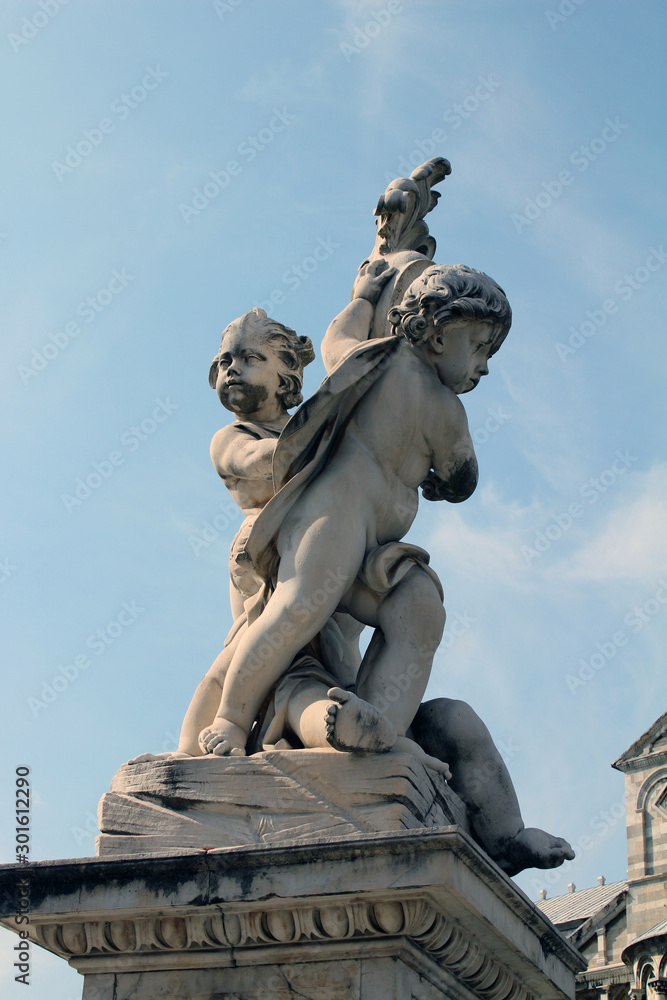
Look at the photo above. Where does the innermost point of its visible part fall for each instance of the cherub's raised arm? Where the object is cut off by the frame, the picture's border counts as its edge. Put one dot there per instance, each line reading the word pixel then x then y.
pixel 353 325
pixel 455 472
pixel 349 329
pixel 237 454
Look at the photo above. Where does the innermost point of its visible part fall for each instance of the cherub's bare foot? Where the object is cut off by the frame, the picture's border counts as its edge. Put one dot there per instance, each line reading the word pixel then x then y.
pixel 533 848
pixel 142 758
pixel 223 739
pixel 356 726
pixel 405 745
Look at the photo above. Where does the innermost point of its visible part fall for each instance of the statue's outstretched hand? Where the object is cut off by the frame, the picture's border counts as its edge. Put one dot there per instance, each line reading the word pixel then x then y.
pixel 371 279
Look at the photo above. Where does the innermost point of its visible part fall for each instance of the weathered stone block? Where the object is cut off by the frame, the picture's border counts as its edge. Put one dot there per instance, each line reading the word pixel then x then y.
pixel 282 796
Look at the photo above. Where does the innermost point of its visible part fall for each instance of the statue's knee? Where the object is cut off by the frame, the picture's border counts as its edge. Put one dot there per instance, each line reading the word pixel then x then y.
pixel 424 598
pixel 452 715
pixel 465 724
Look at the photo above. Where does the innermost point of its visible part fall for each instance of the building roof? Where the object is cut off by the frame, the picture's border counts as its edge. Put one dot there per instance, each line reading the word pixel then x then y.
pixel 658 930
pixel 645 743
pixel 580 905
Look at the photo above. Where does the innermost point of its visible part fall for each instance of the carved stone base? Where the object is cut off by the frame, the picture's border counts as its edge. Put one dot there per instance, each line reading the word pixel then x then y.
pixel 283 796
pixel 419 915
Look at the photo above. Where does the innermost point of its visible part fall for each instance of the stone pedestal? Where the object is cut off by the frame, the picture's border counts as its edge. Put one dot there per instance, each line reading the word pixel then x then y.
pixel 412 915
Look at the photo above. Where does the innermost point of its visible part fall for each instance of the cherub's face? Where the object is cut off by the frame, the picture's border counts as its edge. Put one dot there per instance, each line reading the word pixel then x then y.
pixel 248 379
pixel 461 352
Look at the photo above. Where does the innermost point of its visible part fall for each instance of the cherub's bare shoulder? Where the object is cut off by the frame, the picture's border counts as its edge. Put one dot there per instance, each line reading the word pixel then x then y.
pixel 226 441
pixel 454 407
pixel 442 402
pixel 226 435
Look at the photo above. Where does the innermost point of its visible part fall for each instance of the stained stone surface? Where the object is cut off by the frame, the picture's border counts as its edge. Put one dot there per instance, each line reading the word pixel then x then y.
pixel 417 915
pixel 281 796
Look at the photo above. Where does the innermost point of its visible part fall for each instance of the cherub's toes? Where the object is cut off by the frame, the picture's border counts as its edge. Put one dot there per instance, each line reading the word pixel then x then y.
pixel 214 740
pixel 223 748
pixel 564 849
pixel 338 695
pixel 204 738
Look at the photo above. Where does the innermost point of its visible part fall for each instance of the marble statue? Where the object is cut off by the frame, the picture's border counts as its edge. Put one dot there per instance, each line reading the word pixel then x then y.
pixel 328 495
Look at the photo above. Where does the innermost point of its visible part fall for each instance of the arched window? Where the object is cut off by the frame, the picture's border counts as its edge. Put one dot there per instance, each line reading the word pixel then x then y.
pixel 652 803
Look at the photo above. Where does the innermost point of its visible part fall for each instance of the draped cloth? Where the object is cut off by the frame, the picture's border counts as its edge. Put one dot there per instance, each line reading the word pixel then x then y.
pixel 304 448
pixel 308 440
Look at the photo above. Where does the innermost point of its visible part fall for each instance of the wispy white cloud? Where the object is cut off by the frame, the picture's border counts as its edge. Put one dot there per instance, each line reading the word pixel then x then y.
pixel 632 542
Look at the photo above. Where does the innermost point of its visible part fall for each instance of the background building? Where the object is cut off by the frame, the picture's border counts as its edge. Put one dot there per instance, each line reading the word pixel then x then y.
pixel 621 928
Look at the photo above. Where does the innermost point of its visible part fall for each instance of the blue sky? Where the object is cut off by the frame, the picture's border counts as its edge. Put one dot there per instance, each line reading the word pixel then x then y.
pixel 554 125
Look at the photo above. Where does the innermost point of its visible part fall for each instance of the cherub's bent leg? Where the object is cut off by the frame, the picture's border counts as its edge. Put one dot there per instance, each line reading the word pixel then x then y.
pixel 317 565
pixel 395 671
pixel 205 701
pixel 451 730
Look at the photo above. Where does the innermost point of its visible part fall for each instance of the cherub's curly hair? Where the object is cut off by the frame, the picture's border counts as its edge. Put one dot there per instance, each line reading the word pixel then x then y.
pixel 293 351
pixel 448 292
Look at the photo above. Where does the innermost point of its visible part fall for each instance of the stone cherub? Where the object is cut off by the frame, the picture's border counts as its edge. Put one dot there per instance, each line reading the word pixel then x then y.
pixel 258 375
pixel 342 515
pixel 348 466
